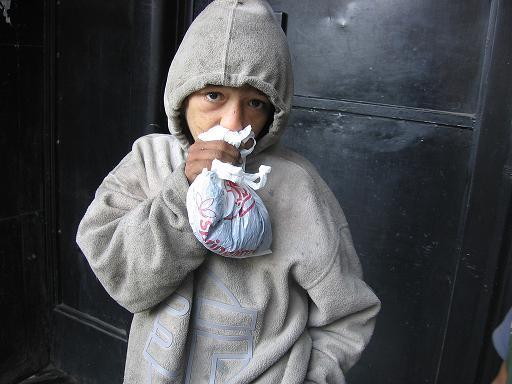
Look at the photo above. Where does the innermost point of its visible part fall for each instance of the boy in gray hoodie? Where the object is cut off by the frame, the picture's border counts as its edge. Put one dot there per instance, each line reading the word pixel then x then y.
pixel 300 314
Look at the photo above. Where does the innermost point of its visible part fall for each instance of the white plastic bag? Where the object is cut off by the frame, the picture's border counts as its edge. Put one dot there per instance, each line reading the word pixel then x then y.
pixel 224 211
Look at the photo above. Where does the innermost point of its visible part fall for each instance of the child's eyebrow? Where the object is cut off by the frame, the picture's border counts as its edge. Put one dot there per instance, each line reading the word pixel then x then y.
pixel 219 88
pixel 259 93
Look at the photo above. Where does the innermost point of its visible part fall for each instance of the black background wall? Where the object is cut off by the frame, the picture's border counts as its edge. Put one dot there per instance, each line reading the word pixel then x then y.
pixel 404 107
pixel 24 124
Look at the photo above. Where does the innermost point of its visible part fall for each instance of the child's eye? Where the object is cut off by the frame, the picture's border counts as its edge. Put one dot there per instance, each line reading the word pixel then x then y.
pixel 213 96
pixel 255 103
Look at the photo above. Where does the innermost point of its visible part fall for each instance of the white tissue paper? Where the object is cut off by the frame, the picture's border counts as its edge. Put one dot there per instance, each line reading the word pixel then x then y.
pixel 224 211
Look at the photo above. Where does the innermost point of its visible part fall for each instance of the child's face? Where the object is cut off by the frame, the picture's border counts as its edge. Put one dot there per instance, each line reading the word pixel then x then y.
pixel 233 108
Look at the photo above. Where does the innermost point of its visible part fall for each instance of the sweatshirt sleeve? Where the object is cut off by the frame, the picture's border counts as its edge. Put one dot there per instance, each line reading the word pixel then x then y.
pixel 135 234
pixel 342 308
pixel 342 317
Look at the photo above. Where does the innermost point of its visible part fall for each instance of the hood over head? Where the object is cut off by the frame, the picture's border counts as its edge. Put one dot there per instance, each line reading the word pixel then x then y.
pixel 232 43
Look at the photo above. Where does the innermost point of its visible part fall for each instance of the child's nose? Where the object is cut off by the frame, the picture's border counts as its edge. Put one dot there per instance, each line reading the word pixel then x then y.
pixel 233 118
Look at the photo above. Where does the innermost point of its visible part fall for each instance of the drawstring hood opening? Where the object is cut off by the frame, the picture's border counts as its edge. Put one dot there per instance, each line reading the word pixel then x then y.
pixel 252 49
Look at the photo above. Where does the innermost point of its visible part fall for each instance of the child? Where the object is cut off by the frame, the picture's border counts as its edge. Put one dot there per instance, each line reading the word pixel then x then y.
pixel 300 314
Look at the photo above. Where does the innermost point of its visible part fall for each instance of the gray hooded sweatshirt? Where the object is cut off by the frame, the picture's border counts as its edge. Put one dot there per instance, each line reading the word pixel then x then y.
pixel 300 314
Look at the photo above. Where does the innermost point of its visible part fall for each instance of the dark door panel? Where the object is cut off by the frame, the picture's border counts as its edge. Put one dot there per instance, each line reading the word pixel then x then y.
pixel 24 332
pixel 92 350
pixel 425 54
pixel 401 185
pixel 24 298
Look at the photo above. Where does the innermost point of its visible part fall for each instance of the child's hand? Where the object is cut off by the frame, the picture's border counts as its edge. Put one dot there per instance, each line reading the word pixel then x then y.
pixel 202 153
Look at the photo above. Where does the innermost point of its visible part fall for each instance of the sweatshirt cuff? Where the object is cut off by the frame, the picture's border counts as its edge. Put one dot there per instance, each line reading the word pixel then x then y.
pixel 176 185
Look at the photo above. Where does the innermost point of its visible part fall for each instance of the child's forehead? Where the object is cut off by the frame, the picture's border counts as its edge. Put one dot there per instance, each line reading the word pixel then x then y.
pixel 246 88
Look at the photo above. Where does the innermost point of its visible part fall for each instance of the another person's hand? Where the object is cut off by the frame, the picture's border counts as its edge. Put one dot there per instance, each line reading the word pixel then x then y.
pixel 502 375
pixel 202 153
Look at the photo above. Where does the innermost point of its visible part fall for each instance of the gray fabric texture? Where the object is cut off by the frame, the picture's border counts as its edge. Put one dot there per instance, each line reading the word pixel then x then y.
pixel 300 314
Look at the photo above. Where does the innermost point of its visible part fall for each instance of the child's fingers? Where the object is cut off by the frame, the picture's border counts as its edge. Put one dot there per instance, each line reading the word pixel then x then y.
pixel 219 150
pixel 202 153
pixel 195 167
pixel 210 154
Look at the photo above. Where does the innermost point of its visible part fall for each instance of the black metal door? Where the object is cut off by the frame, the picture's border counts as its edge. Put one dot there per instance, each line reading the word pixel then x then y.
pixel 405 109
pixel 24 87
